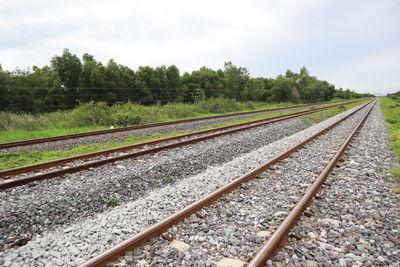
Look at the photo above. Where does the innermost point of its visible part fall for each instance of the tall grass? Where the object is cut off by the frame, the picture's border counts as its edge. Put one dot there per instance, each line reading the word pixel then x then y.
pixel 25 121
pixel 100 114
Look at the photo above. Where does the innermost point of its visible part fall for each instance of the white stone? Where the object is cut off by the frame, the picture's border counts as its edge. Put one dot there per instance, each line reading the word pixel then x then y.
pixel 228 262
pixel 179 245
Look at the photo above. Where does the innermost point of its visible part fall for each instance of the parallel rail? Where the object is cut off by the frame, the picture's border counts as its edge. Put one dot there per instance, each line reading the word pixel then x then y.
pixel 158 228
pixel 8 183
pixel 78 135
pixel 282 231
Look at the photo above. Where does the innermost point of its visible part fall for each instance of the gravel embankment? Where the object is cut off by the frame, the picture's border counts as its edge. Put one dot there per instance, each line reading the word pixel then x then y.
pixel 26 211
pixel 356 221
pixel 89 236
pixel 121 136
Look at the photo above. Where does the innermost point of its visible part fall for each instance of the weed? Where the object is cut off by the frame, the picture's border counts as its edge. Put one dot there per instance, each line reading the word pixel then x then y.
pixel 168 179
pixel 112 201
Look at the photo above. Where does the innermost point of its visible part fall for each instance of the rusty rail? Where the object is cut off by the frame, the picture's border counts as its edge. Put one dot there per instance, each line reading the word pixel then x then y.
pixel 219 132
pixel 156 229
pixel 278 236
pixel 78 135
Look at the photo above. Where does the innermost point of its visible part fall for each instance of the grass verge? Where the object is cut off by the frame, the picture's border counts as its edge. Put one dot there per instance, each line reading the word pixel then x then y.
pixel 13 160
pixel 391 112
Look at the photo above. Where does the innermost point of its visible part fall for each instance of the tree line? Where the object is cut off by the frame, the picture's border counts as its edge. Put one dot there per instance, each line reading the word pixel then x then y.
pixel 69 81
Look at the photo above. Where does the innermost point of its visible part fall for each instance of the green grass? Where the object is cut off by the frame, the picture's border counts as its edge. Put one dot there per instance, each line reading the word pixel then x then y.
pixel 391 112
pixel 13 160
pixel 16 135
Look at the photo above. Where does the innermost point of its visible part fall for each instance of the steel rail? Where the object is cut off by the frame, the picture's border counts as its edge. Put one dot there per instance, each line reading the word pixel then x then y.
pixel 8 183
pixel 150 125
pixel 43 165
pixel 156 229
pixel 282 231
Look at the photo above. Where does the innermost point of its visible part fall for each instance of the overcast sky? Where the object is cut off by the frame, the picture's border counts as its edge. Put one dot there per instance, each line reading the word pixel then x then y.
pixel 352 44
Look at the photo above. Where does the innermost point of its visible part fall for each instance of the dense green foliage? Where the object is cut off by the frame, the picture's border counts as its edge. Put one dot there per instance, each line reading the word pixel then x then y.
pixel 70 81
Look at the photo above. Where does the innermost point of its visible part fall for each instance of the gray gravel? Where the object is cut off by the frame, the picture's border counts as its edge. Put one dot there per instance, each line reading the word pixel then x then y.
pixel 29 210
pixel 121 136
pixel 355 225
pixel 88 236
pixel 236 226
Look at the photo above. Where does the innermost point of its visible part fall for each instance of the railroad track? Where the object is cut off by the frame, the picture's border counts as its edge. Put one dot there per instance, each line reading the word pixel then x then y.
pixel 111 256
pixel 60 167
pixel 145 126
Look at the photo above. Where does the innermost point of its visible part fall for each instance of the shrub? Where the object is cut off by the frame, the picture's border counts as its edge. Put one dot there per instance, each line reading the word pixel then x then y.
pixel 92 113
pixel 250 105
pixel 179 110
pixel 151 114
pixel 219 105
pixel 126 114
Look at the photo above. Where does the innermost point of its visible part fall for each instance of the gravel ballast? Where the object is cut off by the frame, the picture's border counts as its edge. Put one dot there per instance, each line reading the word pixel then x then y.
pixel 88 237
pixel 29 210
pixel 355 225
pixel 234 227
pixel 121 136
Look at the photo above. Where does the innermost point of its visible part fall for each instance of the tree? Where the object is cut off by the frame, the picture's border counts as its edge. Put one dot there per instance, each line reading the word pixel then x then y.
pixel 174 83
pixel 46 89
pixel 236 79
pixel 92 80
pixel 282 89
pixel 254 90
pixel 292 75
pixel 162 91
pixel 4 91
pixel 93 73
pixel 69 68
